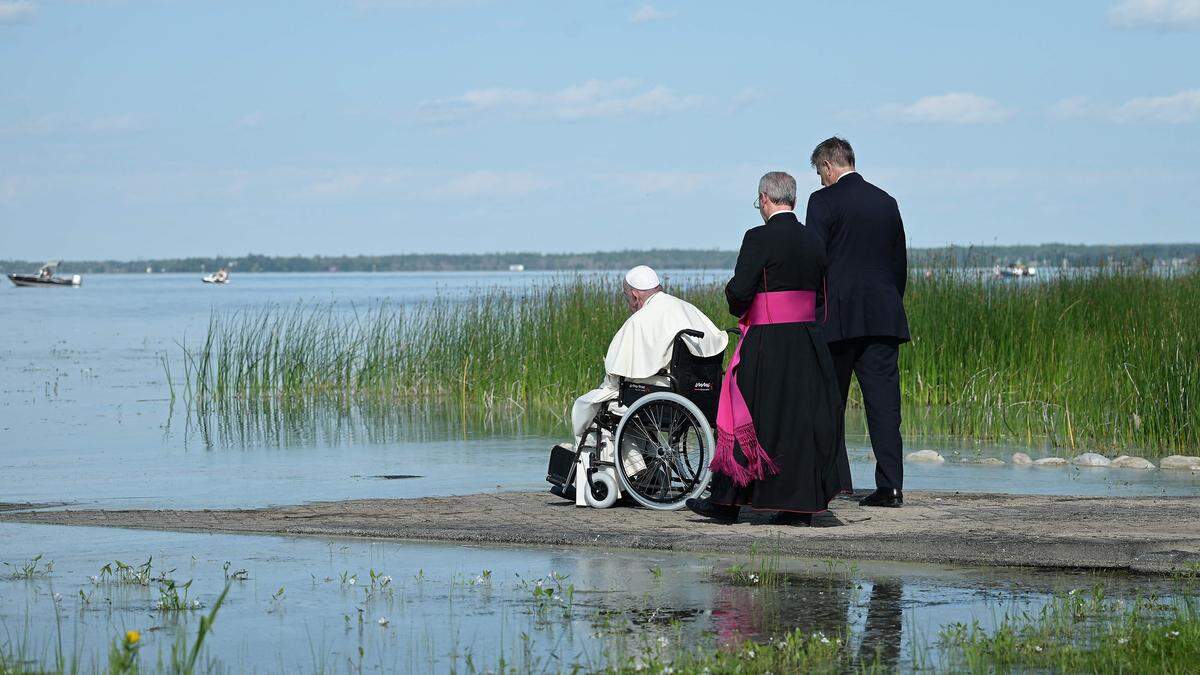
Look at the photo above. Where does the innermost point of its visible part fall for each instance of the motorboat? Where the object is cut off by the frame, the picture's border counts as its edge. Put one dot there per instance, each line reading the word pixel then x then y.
pixel 218 277
pixel 45 277
pixel 1017 270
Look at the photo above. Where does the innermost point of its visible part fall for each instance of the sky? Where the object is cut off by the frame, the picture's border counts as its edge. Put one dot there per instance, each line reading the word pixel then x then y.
pixel 168 128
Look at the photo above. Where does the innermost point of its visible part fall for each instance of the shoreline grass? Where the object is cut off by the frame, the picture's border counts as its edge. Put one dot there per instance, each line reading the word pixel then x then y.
pixel 1105 362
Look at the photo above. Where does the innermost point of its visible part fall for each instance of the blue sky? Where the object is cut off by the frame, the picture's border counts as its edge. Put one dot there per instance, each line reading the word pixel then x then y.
pixel 171 128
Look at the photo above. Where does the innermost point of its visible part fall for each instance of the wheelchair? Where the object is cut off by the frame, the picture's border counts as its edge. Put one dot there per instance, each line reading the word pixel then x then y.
pixel 660 437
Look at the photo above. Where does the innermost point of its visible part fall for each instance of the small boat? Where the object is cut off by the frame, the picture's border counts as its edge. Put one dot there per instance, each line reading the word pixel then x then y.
pixel 218 277
pixel 45 277
pixel 1017 270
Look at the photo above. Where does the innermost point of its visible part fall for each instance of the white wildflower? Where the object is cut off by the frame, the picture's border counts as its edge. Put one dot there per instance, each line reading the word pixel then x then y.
pixel 386 579
pixel 824 640
pixel 1037 648
pixel 57 597
pixel 383 621
pixel 1122 641
pixel 196 604
pixel 1173 633
pixel 663 641
pixel 750 653
pixel 352 581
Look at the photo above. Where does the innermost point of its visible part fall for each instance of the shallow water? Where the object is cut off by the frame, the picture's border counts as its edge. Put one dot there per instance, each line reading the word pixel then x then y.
pixel 85 419
pixel 438 609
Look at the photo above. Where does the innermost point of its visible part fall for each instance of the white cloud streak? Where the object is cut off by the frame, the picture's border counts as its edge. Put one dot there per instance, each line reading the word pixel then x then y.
pixel 1179 108
pixel 588 100
pixel 1163 15
pixel 647 13
pixel 951 108
pixel 15 11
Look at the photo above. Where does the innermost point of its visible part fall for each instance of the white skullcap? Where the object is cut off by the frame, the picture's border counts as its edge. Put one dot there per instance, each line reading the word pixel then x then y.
pixel 642 278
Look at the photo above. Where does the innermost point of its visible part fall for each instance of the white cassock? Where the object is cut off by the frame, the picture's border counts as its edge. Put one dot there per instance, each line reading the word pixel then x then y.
pixel 643 347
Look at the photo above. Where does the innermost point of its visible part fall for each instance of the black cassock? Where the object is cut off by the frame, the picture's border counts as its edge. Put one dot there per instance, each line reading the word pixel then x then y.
pixel 786 376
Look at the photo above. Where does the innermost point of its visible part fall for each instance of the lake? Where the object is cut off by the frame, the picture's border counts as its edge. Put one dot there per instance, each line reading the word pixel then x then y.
pixel 86 418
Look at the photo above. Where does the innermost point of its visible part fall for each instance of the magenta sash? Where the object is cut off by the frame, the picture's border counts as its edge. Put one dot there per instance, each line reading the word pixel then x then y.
pixel 733 417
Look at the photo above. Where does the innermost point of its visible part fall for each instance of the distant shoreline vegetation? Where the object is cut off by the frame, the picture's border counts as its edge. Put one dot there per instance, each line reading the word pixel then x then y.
pixel 1045 255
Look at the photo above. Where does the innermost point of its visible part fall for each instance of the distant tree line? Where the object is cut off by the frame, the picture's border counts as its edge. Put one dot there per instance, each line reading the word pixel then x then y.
pixel 1075 255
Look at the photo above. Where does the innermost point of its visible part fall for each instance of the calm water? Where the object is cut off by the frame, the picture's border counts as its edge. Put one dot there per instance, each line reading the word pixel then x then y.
pixel 295 614
pixel 85 419
pixel 85 416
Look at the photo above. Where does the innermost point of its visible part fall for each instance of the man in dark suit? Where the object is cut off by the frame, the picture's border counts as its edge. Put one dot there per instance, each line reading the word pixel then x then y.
pixel 868 270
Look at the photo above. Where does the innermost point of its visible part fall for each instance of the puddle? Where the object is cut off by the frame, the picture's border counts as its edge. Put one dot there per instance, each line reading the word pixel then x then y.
pixel 300 605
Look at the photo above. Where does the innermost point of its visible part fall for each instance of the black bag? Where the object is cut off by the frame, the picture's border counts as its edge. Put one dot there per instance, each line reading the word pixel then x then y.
pixel 697 378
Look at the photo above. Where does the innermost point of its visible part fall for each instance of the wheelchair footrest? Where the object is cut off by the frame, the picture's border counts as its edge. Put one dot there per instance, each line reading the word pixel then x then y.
pixel 562 463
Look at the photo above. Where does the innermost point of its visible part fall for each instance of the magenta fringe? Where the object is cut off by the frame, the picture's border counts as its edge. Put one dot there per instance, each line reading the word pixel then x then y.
pixel 759 463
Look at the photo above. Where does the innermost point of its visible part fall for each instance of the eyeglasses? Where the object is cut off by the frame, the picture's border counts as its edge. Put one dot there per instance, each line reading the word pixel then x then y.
pixel 758 202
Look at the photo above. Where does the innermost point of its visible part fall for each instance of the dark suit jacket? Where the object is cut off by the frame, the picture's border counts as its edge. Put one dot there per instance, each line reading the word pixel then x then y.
pixel 784 253
pixel 868 262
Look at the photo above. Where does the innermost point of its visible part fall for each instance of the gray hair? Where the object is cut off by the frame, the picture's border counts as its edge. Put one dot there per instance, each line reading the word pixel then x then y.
pixel 836 151
pixel 779 187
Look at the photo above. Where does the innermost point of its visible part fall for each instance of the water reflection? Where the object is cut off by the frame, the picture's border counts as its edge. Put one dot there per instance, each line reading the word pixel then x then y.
pixel 341 421
pixel 884 626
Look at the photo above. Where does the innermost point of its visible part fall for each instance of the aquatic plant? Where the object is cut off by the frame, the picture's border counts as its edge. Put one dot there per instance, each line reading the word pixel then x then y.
pixel 30 569
pixel 173 597
pixel 1106 361
pixel 117 572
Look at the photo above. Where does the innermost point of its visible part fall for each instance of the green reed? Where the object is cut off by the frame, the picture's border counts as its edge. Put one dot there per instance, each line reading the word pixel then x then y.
pixel 1110 361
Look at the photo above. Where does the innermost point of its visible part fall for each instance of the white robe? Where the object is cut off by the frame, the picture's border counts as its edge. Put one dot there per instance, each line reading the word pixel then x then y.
pixel 642 347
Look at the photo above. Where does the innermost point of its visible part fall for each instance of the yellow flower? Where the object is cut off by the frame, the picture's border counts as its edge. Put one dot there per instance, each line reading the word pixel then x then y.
pixel 132 637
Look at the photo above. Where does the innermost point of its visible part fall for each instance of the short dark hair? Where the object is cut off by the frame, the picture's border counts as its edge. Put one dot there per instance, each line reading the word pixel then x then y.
pixel 836 151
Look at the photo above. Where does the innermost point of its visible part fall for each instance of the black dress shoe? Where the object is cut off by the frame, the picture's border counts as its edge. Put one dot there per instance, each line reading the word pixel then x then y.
pixel 793 519
pixel 722 513
pixel 888 497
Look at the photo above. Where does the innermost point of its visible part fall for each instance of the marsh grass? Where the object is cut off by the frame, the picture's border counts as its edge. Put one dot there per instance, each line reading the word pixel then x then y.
pixel 1082 633
pixel 1103 362
pixel 30 569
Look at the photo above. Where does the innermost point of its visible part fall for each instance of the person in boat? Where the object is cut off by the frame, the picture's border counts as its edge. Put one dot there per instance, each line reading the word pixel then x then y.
pixel 779 419
pixel 641 349
pixel 221 276
pixel 46 272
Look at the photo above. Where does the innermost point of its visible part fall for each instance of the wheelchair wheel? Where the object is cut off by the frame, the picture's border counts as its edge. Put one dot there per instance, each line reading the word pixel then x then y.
pixel 663 447
pixel 602 491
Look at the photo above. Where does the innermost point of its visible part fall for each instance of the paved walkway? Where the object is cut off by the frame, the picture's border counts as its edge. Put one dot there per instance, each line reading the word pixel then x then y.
pixel 1142 534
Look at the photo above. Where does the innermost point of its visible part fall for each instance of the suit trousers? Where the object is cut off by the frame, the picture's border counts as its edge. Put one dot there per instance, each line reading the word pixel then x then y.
pixel 874 361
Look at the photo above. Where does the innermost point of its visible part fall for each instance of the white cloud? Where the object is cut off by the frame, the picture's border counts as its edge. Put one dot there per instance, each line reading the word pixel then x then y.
pixel 252 120
pixel 952 108
pixel 590 99
pixel 1179 108
pixel 405 184
pixel 650 13
pixel 1156 14
pixel 54 124
pixel 13 11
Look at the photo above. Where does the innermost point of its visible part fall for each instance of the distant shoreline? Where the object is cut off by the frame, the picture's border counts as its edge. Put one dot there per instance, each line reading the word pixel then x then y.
pixel 1045 255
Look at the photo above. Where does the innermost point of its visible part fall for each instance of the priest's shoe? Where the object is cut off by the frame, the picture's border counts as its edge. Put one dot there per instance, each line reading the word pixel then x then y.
pixel 789 518
pixel 719 512
pixel 889 497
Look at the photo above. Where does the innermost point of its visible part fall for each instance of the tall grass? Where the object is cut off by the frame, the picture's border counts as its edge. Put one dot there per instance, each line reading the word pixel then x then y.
pixel 1105 362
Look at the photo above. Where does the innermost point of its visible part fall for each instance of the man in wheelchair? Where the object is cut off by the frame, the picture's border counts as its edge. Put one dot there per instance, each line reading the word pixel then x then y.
pixel 646 431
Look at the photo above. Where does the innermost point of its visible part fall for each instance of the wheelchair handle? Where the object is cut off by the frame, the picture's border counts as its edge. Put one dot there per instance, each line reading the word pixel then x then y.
pixel 734 331
pixel 692 332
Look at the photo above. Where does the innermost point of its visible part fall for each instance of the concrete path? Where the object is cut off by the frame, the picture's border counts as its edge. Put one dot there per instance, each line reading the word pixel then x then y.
pixel 1142 534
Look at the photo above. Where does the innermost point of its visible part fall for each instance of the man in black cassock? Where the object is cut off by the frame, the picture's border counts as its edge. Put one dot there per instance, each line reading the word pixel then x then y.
pixel 785 374
pixel 868 271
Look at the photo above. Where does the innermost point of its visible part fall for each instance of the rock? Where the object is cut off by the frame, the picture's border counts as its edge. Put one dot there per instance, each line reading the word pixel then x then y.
pixel 1127 462
pixel 925 456
pixel 1021 458
pixel 1051 461
pixel 992 461
pixel 1091 459
pixel 1180 462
